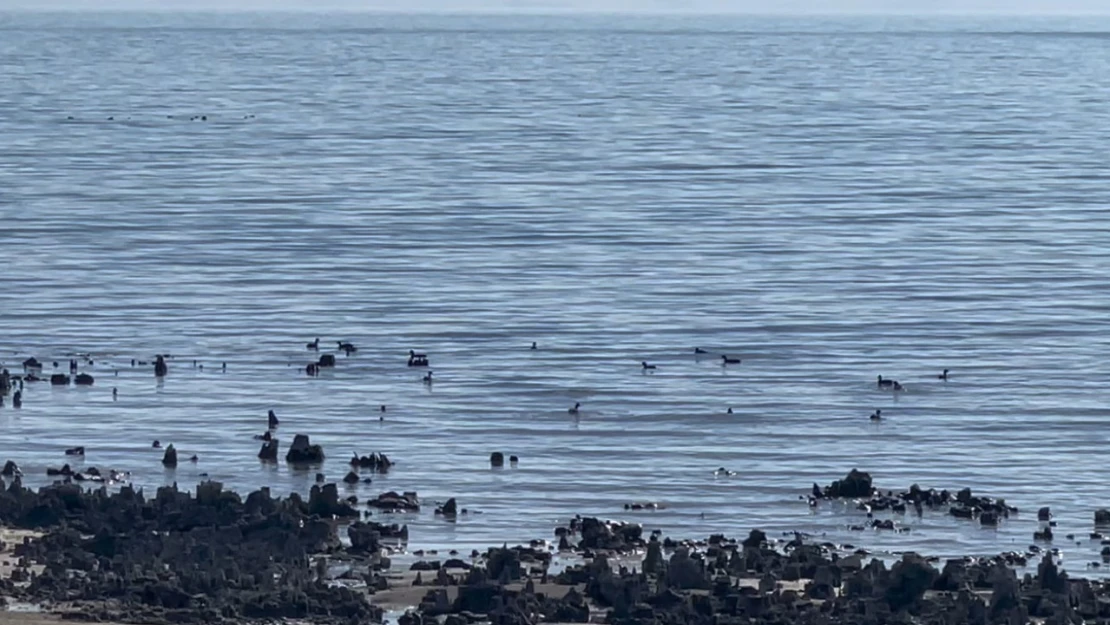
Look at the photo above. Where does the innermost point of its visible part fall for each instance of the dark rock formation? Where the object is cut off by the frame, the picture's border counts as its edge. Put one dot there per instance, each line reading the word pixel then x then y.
pixel 303 452
pixel 596 534
pixel 366 537
pixel 169 459
pixel 83 379
pixel 391 501
pixel 11 469
pixel 855 484
pixel 208 558
pixel 379 463
pixel 59 379
pixel 448 509
pixel 497 459
pixel 269 451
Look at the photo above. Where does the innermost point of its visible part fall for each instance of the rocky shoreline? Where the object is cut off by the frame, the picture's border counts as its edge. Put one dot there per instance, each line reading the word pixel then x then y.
pixel 214 556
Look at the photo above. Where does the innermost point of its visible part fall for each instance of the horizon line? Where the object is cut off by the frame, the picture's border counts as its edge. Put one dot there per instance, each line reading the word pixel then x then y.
pixel 539 12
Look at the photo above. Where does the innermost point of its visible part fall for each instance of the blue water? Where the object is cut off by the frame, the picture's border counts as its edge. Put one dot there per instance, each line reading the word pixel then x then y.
pixel 827 200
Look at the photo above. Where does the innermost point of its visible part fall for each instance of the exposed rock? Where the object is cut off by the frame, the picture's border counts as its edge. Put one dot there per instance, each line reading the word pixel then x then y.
pixel 407 502
pixel 303 452
pixel 191 559
pixel 11 469
pixel 653 561
pixel 909 579
pixel 855 484
pixel 269 451
pixel 449 509
pixel 169 459
pixel 374 462
pixel 324 501
pixel 497 459
pixel 83 379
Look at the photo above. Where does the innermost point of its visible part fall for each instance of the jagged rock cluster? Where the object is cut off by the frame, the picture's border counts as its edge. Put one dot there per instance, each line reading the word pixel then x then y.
pixel 178 557
pixel 751 582
pixel 858 485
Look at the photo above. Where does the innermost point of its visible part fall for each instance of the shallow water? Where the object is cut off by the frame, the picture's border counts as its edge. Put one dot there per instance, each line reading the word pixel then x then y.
pixel 828 201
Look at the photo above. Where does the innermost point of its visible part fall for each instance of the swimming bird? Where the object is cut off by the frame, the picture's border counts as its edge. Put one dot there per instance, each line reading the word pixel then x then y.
pixel 698 350
pixel 730 410
pixel 725 360
pixel 413 354
pixel 346 347
pixel 877 415
pixel 17 399
pixel 533 345
pixel 885 383
pixel 272 420
pixel 314 345
pixel 383 408
pixel 427 378
pixel 943 375
pixel 646 366
pixel 898 387
pixel 75 451
pixel 575 409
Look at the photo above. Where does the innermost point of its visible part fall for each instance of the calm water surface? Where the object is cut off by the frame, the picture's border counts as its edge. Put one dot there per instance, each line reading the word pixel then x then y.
pixel 829 201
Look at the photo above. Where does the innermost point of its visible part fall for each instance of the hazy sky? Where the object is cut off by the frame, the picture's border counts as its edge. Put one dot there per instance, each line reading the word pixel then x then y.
pixel 924 7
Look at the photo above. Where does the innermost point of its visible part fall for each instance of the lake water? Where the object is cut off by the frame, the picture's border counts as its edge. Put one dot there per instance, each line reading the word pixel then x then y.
pixel 827 200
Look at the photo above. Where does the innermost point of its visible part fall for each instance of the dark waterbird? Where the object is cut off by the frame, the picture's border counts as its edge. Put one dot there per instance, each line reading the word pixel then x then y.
pixel 725 360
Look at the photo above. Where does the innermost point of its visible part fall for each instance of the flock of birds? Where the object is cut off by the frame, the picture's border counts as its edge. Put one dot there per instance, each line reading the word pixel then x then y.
pixel 415 359
pixel 421 360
